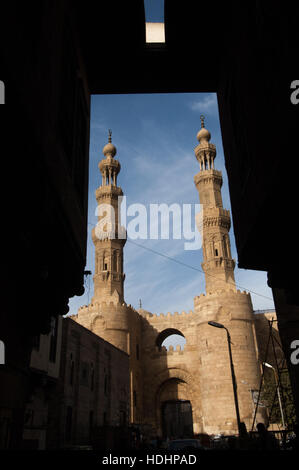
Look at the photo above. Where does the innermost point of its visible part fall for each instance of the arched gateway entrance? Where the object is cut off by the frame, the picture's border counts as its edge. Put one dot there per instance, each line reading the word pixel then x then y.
pixel 177 419
pixel 171 391
pixel 174 407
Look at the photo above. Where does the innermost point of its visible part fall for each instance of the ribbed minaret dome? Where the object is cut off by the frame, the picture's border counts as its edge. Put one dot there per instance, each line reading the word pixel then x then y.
pixel 109 148
pixel 203 135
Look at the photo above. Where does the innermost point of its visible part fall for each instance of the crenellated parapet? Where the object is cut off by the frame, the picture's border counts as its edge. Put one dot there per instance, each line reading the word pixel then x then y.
pixel 155 353
pixel 172 317
pixel 238 294
pixel 178 349
pixel 104 305
pixel 107 310
pixel 225 305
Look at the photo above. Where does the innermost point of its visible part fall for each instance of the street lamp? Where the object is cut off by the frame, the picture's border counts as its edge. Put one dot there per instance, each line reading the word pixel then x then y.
pixel 278 392
pixel 219 325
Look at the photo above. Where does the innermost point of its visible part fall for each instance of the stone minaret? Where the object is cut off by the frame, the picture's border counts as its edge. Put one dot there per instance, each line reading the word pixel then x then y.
pixel 109 276
pixel 218 264
pixel 223 304
pixel 108 315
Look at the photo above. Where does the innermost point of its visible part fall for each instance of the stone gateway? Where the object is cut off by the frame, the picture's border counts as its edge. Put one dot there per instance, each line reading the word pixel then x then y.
pixel 198 375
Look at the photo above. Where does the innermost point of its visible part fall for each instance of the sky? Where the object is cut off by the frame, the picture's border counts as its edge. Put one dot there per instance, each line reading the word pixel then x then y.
pixel 154 11
pixel 155 137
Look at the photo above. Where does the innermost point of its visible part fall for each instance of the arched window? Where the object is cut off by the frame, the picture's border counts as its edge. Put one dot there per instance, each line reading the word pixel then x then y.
pixel 170 337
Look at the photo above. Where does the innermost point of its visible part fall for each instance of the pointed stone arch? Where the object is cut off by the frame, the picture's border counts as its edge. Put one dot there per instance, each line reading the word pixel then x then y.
pixel 165 334
pixel 183 376
pixel 173 372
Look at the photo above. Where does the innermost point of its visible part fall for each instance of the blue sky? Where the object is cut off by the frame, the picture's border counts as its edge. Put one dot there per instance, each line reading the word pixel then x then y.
pixel 155 136
pixel 154 11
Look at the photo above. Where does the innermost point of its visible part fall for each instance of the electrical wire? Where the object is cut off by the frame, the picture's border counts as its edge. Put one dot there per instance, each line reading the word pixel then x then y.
pixel 191 267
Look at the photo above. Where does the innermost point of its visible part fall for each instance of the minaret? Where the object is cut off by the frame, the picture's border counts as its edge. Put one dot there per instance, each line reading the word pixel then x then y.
pixel 218 264
pixel 109 276
pixel 223 304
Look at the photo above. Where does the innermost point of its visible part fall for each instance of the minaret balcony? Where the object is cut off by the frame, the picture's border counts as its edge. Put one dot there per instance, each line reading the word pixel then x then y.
pixel 208 176
pixel 107 191
pixel 216 217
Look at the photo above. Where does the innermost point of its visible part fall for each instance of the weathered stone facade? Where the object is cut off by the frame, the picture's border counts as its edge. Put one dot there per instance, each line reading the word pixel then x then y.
pixel 80 384
pixel 199 373
pixel 45 364
pixel 95 386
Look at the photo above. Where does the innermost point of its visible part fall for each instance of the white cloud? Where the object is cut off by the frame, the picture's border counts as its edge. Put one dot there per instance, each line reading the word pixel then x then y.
pixel 158 165
pixel 100 126
pixel 207 104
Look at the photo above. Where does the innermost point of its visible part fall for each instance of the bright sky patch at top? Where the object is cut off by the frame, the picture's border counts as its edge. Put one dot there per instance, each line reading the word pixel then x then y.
pixel 154 11
pixel 155 137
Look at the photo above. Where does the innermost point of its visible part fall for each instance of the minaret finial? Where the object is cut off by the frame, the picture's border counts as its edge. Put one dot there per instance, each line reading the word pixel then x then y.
pixel 109 148
pixel 202 119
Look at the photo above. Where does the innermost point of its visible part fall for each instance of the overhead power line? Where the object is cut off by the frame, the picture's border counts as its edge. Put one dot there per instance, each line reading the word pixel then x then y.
pixel 191 267
pixel 196 269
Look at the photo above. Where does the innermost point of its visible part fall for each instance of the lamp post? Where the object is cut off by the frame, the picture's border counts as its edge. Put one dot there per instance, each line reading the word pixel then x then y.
pixel 219 325
pixel 278 392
